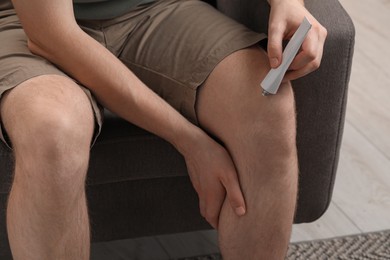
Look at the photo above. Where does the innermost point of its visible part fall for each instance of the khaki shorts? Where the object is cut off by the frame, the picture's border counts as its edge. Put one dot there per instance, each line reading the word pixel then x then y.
pixel 171 45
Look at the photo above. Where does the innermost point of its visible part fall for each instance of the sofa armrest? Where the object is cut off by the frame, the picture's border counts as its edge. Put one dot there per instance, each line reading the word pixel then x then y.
pixel 320 99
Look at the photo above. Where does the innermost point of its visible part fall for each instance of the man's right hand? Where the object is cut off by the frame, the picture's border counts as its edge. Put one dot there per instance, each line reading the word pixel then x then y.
pixel 213 176
pixel 285 18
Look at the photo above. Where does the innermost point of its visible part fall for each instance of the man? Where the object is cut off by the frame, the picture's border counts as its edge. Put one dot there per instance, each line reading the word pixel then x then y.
pixel 58 69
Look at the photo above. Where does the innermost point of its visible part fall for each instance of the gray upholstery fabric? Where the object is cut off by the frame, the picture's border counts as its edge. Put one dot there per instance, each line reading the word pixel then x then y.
pixel 138 185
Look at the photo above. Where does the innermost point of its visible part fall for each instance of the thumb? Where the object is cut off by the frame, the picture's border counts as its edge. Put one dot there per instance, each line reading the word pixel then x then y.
pixel 234 195
pixel 274 48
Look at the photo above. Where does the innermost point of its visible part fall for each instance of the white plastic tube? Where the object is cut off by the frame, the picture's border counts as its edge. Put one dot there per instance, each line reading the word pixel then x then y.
pixel 274 78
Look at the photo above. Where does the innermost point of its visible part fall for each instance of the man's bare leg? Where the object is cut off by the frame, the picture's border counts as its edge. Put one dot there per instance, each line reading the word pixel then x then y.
pixel 259 132
pixel 50 123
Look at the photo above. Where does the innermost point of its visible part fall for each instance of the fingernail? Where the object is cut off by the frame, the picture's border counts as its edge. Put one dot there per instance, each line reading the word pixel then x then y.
pixel 274 62
pixel 240 211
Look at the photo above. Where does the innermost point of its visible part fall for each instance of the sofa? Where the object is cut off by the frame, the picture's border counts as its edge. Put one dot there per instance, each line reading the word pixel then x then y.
pixel 137 183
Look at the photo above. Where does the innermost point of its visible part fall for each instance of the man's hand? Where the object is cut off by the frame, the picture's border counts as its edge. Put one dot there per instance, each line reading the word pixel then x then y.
pixel 213 176
pixel 285 18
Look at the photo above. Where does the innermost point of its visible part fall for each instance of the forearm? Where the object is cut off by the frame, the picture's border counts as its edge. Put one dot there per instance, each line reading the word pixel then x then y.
pixel 115 86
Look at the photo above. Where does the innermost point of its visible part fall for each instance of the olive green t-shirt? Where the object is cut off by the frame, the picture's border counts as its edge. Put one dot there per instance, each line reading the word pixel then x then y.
pixel 95 9
pixel 104 9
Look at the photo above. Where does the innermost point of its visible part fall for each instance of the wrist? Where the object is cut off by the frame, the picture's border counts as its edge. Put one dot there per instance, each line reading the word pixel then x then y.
pixel 186 137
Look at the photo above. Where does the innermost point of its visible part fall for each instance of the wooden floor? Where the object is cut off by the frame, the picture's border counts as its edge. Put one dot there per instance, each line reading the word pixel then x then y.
pixel 361 200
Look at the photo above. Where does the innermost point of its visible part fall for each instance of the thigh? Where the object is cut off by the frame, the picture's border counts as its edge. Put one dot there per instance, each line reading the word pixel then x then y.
pixel 177 45
pixel 19 67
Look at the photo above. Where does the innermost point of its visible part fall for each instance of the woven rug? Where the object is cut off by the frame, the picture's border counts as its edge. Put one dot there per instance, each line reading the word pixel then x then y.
pixel 374 245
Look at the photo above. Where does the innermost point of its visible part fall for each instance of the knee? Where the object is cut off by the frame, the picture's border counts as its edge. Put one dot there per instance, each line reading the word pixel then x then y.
pixel 279 112
pixel 53 134
pixel 278 129
pixel 49 124
pixel 53 129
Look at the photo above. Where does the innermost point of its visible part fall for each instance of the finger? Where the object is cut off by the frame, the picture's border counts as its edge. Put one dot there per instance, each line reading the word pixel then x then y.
pixel 234 194
pixel 214 201
pixel 308 67
pixel 296 74
pixel 274 48
pixel 308 53
pixel 194 181
pixel 301 60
